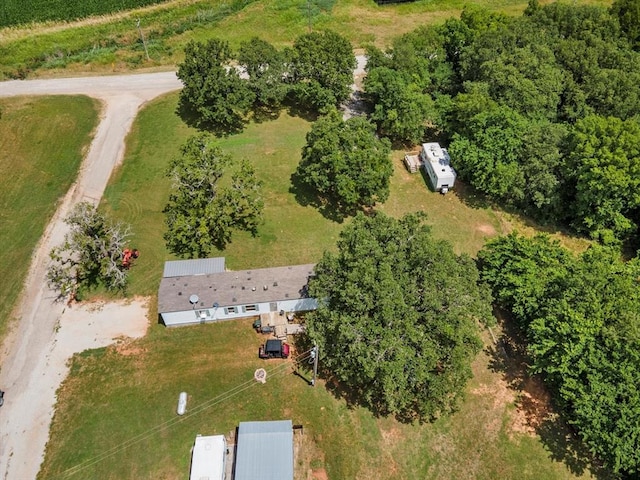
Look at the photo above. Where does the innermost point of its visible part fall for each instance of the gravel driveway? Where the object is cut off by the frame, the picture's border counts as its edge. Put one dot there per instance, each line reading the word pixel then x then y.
pixel 33 358
pixel 34 355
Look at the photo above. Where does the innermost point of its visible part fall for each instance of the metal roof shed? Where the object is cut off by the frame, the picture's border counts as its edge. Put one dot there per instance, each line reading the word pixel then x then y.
pixel 265 451
pixel 201 266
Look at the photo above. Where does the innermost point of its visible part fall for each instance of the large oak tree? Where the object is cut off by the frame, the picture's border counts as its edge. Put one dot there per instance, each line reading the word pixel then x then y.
pixel 203 212
pixel 345 163
pixel 398 316
pixel 214 96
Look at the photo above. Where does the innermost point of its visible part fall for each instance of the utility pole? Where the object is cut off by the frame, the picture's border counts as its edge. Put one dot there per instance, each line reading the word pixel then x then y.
pixel 314 354
pixel 144 43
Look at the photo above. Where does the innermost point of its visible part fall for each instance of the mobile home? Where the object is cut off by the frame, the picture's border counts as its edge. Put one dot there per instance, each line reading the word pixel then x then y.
pixel 202 292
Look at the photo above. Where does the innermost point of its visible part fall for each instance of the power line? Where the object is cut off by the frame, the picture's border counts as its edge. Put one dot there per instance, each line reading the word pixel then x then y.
pixel 279 370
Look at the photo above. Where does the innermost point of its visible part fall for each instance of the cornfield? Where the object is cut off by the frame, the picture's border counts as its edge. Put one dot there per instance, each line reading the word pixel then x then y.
pixel 16 12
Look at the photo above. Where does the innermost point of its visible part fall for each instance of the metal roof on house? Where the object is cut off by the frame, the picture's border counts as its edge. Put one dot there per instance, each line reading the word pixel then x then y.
pixel 201 266
pixel 265 451
pixel 242 287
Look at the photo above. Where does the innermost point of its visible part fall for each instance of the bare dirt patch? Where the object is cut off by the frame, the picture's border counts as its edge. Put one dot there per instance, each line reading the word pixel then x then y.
pixel 486 229
pixel 515 387
pixel 533 407
pixel 319 474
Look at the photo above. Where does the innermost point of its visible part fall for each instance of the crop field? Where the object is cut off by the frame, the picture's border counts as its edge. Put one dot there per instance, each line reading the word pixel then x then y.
pixel 15 12
pixel 112 42
pixel 42 142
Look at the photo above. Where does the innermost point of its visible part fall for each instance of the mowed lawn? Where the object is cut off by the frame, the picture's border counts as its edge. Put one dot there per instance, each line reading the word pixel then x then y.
pixel 42 140
pixel 291 233
pixel 116 418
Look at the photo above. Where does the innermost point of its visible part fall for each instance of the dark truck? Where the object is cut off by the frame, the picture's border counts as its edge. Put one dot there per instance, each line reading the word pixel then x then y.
pixel 273 349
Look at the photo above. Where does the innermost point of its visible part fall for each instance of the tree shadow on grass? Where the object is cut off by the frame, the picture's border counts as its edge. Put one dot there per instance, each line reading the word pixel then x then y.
pixel 470 196
pixel 295 109
pixel 306 196
pixel 509 358
pixel 193 119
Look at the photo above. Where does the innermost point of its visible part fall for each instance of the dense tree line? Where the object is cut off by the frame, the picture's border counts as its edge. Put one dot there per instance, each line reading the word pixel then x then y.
pixel 540 111
pixel 399 321
pixel 222 87
pixel 581 319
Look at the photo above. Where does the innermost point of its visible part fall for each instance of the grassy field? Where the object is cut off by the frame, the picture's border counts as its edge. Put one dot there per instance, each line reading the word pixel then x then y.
pixel 115 415
pixel 292 233
pixel 126 397
pixel 112 42
pixel 42 141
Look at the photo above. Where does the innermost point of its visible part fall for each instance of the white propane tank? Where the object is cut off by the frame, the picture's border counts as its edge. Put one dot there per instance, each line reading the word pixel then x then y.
pixel 182 403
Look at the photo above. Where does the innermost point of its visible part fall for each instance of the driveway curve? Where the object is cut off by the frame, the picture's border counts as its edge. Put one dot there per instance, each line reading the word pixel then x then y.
pixel 33 356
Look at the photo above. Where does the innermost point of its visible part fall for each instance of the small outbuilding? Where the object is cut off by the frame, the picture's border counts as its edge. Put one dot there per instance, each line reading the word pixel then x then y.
pixel 437 165
pixel 208 458
pixel 196 294
pixel 264 451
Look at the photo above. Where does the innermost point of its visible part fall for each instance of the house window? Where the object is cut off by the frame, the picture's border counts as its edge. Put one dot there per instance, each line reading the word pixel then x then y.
pixel 229 310
pixel 203 315
pixel 250 308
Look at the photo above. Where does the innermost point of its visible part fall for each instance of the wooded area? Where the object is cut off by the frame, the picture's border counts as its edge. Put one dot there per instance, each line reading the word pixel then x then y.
pixel 539 111
pixel 580 317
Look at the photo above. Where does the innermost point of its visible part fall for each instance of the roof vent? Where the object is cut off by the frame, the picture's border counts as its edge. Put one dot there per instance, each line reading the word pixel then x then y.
pixel 265 287
pixel 253 289
pixel 275 284
pixel 194 298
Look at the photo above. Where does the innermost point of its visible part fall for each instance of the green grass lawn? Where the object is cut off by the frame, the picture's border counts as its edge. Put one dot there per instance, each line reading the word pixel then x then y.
pixel 116 412
pixel 116 416
pixel 291 233
pixel 42 141
pixel 112 43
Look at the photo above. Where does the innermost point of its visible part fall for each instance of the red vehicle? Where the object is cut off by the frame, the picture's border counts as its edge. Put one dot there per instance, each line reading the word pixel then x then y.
pixel 274 349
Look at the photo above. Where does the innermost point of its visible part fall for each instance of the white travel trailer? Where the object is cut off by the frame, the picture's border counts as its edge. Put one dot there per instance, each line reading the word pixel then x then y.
pixel 437 163
pixel 209 458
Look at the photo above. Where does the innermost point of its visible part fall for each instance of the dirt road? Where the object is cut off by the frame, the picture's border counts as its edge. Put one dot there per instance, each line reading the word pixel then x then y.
pixel 34 355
